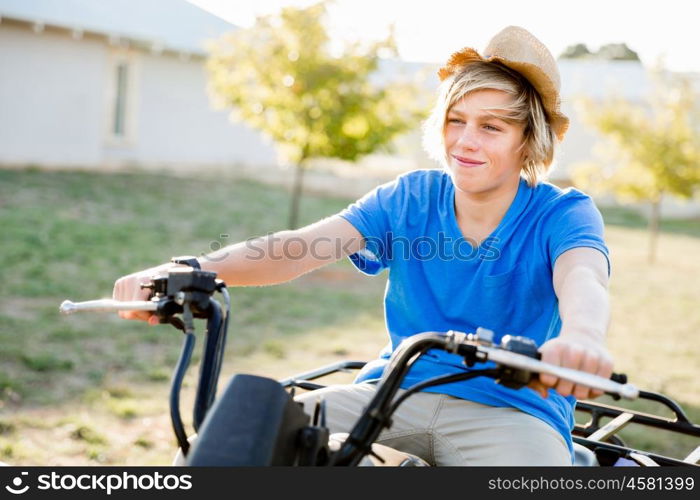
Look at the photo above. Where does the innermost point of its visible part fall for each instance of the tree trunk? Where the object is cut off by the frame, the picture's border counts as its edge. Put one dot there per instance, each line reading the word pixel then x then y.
pixel 654 228
pixel 297 191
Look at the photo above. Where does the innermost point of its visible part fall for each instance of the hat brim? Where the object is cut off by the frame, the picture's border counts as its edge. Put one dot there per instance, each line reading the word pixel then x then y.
pixel 544 86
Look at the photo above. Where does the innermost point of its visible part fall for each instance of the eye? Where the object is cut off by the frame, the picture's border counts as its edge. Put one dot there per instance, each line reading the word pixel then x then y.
pixel 455 121
pixel 492 128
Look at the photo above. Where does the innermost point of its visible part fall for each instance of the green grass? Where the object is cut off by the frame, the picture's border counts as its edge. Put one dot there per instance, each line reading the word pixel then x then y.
pixel 93 389
pixel 625 217
pixel 70 235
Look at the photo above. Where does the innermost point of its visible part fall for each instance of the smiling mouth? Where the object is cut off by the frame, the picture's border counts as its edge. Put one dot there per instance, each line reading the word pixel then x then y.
pixel 466 162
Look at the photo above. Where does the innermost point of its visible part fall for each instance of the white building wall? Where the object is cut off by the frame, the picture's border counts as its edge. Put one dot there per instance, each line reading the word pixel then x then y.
pixel 57 98
pixel 177 125
pixel 51 100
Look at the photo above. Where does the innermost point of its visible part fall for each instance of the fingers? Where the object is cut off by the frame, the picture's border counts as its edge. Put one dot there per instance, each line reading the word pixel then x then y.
pixel 578 356
pixel 589 364
pixel 571 358
pixel 136 315
pixel 562 354
pixel 605 365
pixel 128 288
pixel 605 370
pixel 552 356
pixel 595 393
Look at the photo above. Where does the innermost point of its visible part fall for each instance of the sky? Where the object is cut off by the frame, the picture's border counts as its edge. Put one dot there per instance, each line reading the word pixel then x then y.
pixel 430 30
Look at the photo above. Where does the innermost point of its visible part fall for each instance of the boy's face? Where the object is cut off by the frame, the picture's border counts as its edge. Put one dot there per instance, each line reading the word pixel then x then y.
pixel 483 153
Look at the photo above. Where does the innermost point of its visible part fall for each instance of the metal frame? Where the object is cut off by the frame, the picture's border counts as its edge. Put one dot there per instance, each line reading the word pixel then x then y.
pixel 594 436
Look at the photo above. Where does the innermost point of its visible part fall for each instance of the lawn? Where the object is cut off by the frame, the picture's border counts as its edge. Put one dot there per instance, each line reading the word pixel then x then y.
pixel 92 389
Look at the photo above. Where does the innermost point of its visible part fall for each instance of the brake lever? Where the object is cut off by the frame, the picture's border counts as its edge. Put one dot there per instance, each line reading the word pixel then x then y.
pixel 107 305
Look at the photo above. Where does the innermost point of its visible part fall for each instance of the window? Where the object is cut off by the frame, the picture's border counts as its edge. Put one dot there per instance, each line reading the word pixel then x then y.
pixel 120 100
pixel 121 96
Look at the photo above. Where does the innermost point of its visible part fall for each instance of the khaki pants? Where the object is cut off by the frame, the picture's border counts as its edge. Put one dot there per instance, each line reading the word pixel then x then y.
pixel 447 431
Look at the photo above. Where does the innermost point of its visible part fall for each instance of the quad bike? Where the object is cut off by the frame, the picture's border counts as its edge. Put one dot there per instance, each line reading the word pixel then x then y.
pixel 255 421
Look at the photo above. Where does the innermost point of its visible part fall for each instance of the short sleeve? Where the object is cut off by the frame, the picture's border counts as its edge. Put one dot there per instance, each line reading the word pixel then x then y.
pixel 371 215
pixel 576 222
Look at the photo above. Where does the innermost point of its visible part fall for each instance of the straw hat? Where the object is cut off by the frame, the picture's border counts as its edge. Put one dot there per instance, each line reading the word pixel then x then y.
pixel 519 50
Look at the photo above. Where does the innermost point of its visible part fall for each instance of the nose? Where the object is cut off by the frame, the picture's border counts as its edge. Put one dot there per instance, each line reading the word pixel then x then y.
pixel 467 139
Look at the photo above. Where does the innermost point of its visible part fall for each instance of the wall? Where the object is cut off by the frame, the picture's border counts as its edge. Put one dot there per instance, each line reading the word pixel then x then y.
pixel 50 97
pixel 57 98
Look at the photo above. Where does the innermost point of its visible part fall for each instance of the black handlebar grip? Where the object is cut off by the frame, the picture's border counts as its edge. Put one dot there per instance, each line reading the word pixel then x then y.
pixel 620 378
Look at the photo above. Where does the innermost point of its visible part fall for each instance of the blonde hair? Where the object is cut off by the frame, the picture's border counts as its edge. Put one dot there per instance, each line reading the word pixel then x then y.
pixel 539 140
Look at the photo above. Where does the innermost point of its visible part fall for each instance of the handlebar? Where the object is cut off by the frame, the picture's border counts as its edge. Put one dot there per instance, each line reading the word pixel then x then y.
pixel 497 354
pixel 519 353
pixel 516 364
pixel 189 293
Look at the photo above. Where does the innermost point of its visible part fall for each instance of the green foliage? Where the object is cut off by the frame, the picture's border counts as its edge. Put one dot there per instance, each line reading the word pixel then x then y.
pixel 577 51
pixel 46 363
pixel 88 434
pixel 6 427
pixel 280 77
pixel 7 451
pixel 609 52
pixel 274 348
pixel 144 442
pixel 659 144
pixel 617 52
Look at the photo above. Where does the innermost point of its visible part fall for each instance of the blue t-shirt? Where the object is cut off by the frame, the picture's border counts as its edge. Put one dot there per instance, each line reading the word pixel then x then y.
pixel 438 281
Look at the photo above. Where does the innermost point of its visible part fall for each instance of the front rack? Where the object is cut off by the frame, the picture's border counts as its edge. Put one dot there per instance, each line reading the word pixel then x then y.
pixel 604 439
pixel 601 438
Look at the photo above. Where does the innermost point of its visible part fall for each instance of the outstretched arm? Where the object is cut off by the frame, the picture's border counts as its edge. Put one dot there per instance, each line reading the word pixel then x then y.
pixel 267 260
pixel 285 255
pixel 580 281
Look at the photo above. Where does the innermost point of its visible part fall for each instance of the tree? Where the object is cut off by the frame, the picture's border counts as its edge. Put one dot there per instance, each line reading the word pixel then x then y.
pixel 281 78
pixel 617 52
pixel 609 52
pixel 578 51
pixel 658 145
